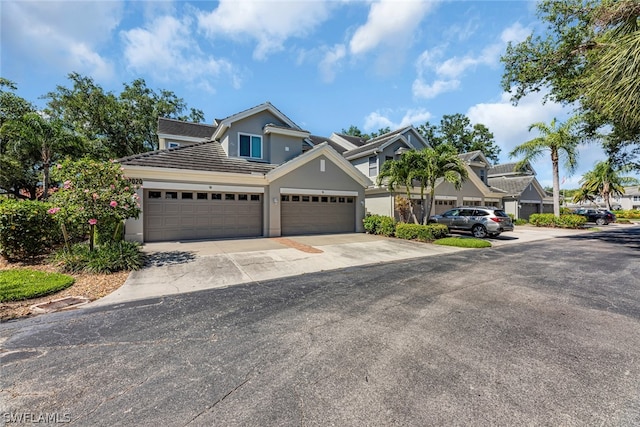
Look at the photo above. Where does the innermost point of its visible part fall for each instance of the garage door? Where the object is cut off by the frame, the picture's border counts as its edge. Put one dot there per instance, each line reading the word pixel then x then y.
pixel 188 215
pixel 529 209
pixel 302 214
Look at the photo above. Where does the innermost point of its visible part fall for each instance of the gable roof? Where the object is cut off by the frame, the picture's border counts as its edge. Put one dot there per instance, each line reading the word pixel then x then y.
pixel 316 140
pixel 321 149
pixel 471 156
pixel 510 169
pixel 357 141
pixel 383 141
pixel 224 124
pixel 204 156
pixel 180 128
pixel 513 185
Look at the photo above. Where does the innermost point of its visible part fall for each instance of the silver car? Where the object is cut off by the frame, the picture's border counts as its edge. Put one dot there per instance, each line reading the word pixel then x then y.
pixel 479 220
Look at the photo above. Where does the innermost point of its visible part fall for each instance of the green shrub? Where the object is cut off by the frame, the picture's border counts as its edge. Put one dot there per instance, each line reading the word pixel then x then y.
pixel 564 221
pixel 380 224
pixel 463 242
pixel 107 258
pixel 628 214
pixel 26 229
pixel 520 221
pixel 572 221
pixel 20 284
pixel 423 233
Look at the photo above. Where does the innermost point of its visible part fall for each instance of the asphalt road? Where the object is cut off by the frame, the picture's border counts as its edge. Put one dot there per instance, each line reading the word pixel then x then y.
pixel 544 333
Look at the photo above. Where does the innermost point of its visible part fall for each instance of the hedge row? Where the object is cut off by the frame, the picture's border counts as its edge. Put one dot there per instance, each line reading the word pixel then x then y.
pixel 563 221
pixel 387 226
pixel 628 214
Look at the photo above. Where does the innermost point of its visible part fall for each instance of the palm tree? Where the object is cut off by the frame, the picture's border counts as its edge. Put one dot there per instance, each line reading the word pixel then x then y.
pixel 440 162
pixel 561 141
pixel 398 173
pixel 605 180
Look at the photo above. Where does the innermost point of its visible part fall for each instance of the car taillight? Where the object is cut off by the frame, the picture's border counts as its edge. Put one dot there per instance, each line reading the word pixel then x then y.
pixel 497 219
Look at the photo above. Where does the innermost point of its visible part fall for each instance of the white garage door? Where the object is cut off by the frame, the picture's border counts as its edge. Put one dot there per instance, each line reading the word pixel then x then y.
pixel 302 214
pixel 188 215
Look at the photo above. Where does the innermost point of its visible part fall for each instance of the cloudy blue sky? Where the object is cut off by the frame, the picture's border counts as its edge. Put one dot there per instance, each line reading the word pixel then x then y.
pixel 326 64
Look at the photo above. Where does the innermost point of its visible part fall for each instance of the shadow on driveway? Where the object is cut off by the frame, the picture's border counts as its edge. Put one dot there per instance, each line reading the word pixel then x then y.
pixel 160 259
pixel 628 236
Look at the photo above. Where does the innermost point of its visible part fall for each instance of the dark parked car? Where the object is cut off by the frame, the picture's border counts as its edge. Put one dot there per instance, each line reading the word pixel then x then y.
pixel 479 220
pixel 597 216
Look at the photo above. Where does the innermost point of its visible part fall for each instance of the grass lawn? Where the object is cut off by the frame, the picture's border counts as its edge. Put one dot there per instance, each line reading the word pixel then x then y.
pixel 463 242
pixel 20 284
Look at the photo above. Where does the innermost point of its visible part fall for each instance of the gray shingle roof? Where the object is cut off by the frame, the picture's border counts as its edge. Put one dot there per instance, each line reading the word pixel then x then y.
pixel 374 143
pixel 355 140
pixel 513 185
pixel 506 169
pixel 204 156
pixel 178 127
pixel 320 139
pixel 467 157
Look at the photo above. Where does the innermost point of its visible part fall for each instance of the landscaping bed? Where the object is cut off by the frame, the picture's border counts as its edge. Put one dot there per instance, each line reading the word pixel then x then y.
pixel 92 286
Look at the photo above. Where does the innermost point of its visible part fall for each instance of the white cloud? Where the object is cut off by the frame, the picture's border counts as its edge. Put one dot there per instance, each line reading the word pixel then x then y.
pixel 379 119
pixel 424 90
pixel 269 23
pixel 515 33
pixel 446 74
pixel 330 63
pixel 62 34
pixel 388 23
pixel 167 51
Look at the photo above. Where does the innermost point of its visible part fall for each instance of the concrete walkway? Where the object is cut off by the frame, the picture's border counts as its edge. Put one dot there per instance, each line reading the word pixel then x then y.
pixel 177 267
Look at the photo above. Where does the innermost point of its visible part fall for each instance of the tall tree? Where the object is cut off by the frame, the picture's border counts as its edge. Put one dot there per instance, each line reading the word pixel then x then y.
pixel 355 131
pixel 605 181
pixel 456 130
pixel 39 141
pixel 561 141
pixel 588 56
pixel 116 125
pixel 441 162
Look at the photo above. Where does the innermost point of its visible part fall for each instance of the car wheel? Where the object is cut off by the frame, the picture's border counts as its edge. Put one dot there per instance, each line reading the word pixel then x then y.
pixel 479 231
pixel 601 221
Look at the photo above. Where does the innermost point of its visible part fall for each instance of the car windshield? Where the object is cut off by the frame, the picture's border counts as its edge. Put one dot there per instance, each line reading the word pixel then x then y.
pixel 500 213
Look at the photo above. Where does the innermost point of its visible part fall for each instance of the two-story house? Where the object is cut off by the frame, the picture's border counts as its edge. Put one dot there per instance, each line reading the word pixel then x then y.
pixel 254 173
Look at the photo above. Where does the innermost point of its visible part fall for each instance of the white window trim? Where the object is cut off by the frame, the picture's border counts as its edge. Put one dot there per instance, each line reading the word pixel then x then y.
pixel 377 165
pixel 250 135
pixel 313 192
pixel 172 144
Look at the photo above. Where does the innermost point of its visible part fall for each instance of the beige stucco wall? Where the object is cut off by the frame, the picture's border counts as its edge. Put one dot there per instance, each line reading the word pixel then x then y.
pixel 310 177
pixel 282 148
pixel 379 204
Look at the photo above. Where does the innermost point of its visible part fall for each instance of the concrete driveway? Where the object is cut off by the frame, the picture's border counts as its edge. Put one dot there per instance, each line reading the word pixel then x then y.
pixel 177 267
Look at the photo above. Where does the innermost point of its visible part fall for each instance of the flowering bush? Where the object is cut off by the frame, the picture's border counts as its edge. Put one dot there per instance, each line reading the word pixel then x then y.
pixel 94 193
pixel 26 229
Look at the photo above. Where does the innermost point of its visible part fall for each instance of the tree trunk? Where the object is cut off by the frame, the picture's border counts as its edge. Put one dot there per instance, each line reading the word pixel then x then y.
pixel 45 181
pixel 411 210
pixel 556 183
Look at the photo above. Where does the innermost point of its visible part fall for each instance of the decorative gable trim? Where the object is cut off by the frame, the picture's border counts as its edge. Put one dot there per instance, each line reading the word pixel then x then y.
pixel 225 124
pixel 320 150
pixel 287 132
pixel 342 142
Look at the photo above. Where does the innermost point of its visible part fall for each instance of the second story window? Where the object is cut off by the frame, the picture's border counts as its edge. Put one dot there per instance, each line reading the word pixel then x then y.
pixel 250 146
pixel 483 176
pixel 373 166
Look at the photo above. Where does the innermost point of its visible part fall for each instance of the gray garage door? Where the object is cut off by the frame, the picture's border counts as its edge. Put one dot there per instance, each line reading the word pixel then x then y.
pixel 317 214
pixel 529 209
pixel 188 215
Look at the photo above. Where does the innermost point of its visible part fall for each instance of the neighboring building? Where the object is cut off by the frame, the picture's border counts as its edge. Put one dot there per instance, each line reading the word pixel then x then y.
pixel 524 195
pixel 255 173
pixel 369 156
pixel 630 199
